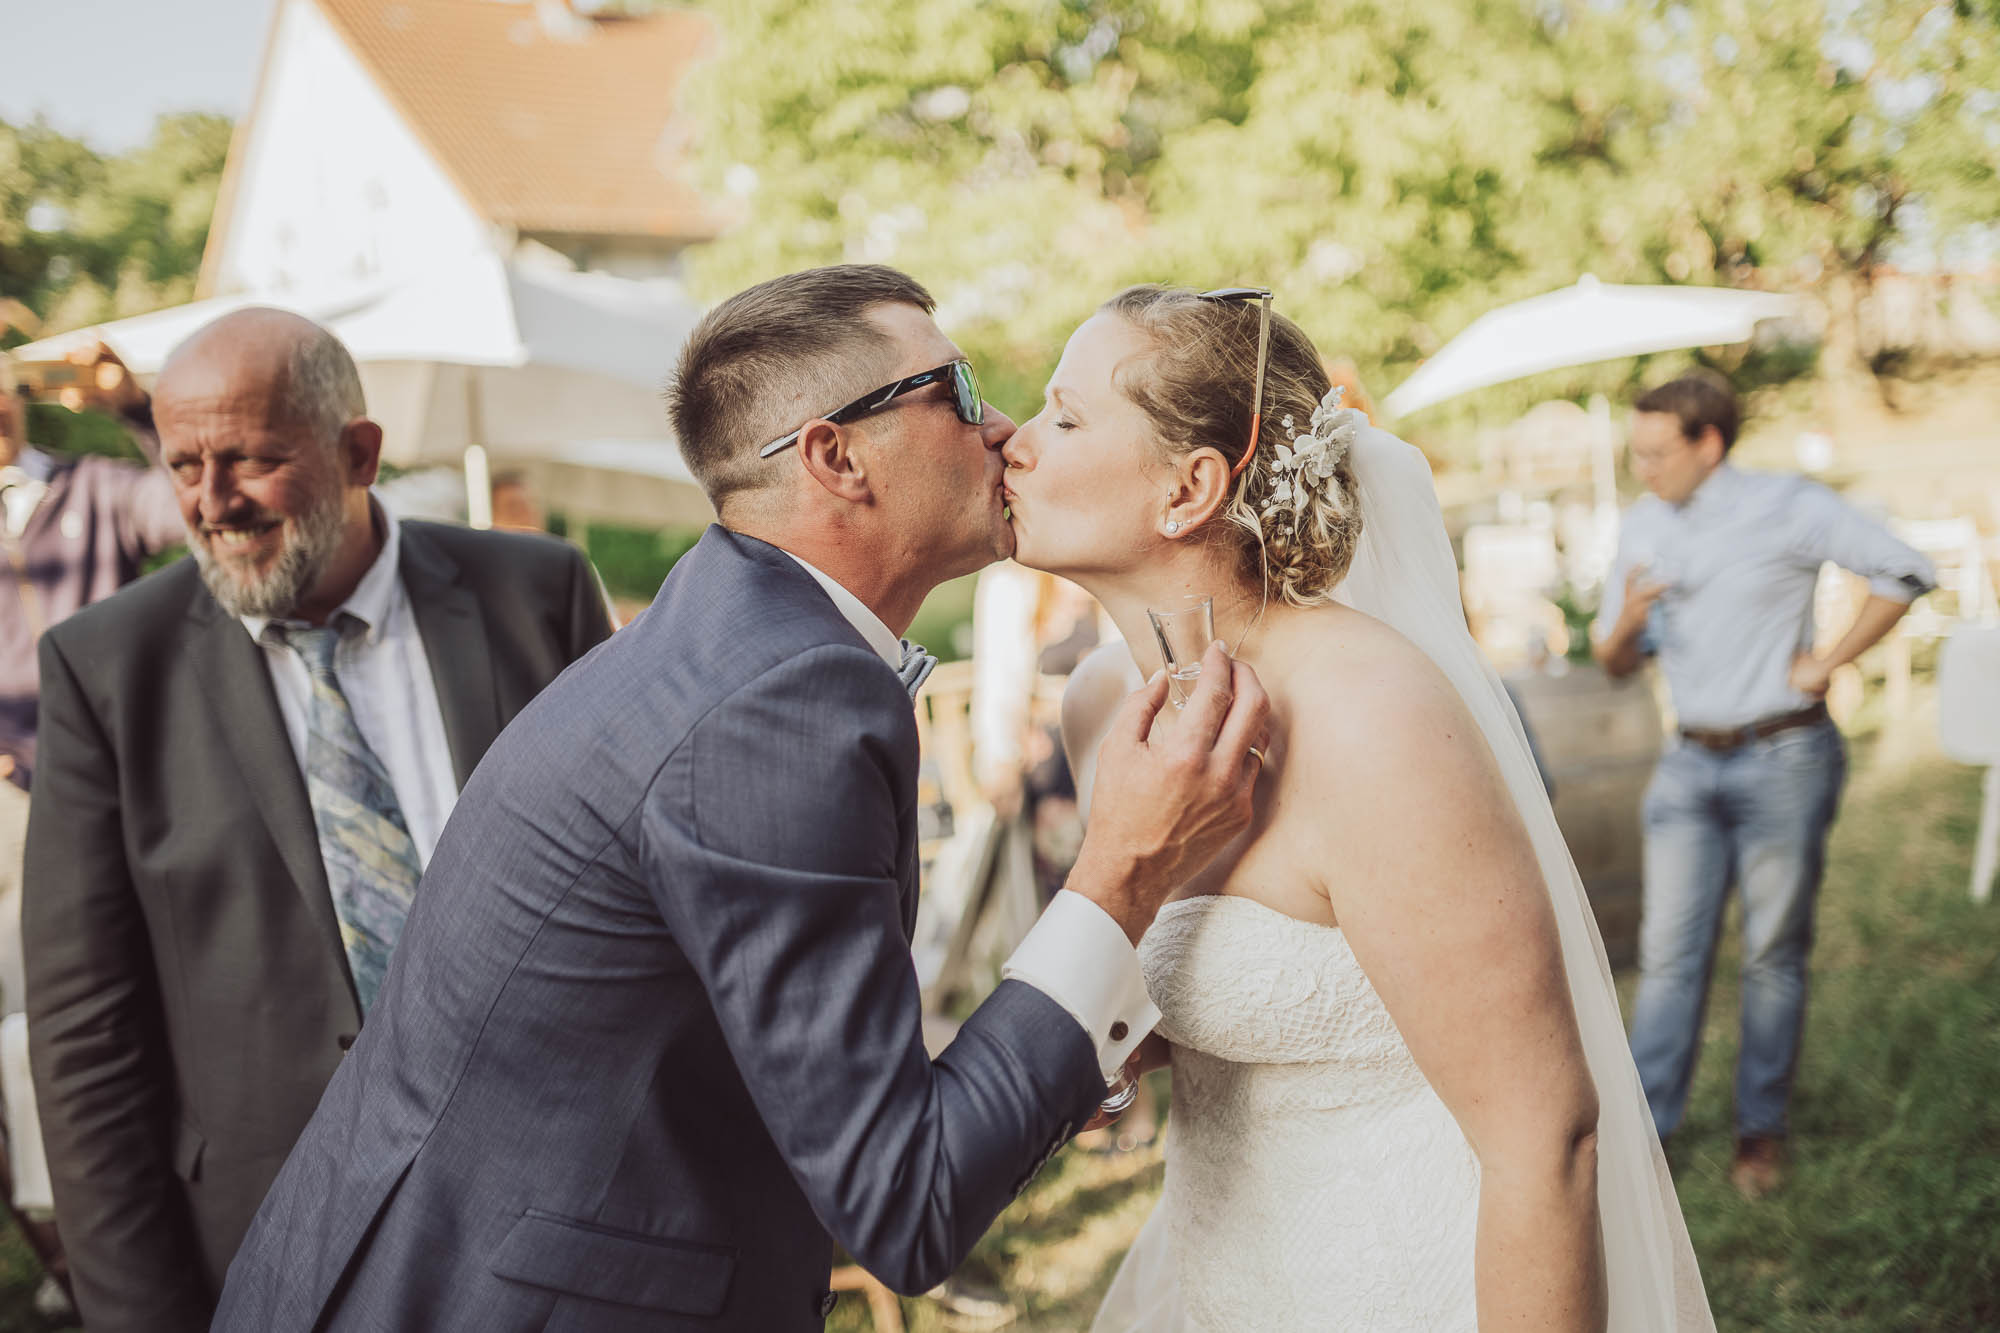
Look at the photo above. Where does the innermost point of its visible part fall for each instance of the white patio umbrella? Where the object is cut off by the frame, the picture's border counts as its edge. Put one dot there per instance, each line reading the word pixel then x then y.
pixel 493 364
pixel 1575 326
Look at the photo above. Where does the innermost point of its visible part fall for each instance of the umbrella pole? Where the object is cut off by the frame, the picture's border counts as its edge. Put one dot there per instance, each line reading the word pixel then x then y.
pixel 1603 454
pixel 478 487
pixel 478 471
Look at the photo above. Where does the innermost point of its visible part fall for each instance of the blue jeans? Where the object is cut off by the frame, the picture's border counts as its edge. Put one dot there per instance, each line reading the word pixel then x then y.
pixel 1757 815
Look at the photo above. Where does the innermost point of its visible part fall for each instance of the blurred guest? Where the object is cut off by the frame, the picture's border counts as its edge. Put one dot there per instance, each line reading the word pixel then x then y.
pixel 1026 626
pixel 74 530
pixel 1714 574
pixel 246 760
pixel 1342 373
pixel 515 506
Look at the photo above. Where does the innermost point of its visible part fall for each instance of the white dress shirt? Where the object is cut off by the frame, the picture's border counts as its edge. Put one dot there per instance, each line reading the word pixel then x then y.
pixel 1076 954
pixel 386 677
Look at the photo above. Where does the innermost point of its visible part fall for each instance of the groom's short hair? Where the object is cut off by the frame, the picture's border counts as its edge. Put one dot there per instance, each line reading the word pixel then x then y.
pixel 768 358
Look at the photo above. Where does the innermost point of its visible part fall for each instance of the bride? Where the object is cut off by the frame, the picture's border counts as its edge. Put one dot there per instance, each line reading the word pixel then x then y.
pixel 1402 1093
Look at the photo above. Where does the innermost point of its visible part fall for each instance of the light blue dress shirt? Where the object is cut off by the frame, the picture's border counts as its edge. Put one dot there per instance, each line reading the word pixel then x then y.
pixel 1742 556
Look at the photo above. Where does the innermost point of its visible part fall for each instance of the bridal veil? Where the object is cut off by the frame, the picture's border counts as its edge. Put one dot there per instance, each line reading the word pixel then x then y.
pixel 1404 575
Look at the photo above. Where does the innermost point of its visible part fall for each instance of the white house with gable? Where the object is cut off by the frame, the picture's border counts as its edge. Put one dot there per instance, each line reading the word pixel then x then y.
pixel 386 135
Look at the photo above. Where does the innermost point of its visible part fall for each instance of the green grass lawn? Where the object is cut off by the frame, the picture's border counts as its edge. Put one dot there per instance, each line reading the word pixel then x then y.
pixel 19 1274
pixel 1891 1220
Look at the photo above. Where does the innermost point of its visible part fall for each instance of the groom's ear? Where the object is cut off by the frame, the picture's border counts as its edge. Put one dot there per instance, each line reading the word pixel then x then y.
pixel 829 456
pixel 1201 485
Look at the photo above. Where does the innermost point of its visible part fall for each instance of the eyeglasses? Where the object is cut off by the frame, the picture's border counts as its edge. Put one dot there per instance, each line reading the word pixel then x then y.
pixel 1262 295
pixel 965 399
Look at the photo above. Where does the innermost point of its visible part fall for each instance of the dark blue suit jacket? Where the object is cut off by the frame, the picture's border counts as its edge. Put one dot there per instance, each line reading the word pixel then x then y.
pixel 651 1040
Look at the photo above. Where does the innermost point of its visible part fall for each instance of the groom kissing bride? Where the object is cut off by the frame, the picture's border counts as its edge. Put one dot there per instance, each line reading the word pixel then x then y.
pixel 650 1043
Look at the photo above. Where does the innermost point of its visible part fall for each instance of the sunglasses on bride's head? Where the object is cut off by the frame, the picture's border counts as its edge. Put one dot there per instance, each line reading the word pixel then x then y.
pixel 965 399
pixel 1262 295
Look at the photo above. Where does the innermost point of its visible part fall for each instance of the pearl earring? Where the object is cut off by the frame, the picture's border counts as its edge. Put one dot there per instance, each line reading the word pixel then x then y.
pixel 1173 526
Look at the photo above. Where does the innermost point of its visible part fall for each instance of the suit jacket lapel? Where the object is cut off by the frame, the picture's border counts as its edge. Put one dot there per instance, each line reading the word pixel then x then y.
pixel 245 709
pixel 454 633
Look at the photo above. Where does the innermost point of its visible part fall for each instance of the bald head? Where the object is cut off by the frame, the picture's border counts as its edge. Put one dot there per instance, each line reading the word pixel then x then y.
pixel 262 429
pixel 296 369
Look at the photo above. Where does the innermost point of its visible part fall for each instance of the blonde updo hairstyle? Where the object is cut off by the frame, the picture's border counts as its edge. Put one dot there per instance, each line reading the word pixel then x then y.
pixel 1196 388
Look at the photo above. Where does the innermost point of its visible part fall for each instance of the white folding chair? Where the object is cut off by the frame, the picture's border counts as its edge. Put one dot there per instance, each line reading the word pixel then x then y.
pixel 1969 730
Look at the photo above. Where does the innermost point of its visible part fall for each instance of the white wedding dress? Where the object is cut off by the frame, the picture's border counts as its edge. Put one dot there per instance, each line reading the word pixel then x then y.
pixel 1314 1180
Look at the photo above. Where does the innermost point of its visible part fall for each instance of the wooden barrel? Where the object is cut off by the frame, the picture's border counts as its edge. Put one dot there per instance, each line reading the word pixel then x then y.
pixel 1599 738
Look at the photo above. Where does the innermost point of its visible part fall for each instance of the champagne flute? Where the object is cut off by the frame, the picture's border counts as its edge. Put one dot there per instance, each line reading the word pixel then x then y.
pixel 1184 628
pixel 1119 1094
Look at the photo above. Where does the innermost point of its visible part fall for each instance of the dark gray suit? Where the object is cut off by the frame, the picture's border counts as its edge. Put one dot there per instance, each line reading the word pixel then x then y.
pixel 652 1032
pixel 188 995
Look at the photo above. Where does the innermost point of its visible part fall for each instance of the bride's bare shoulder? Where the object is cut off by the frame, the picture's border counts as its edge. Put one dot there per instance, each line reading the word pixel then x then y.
pixel 1366 686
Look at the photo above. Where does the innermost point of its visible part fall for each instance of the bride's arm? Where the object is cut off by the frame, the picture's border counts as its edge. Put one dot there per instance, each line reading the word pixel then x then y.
pixel 1435 882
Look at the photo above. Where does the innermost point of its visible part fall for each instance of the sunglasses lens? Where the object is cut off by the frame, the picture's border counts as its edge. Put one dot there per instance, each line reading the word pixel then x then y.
pixel 965 392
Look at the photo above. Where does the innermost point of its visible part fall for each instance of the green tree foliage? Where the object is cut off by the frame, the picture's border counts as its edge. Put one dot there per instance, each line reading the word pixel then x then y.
pixel 85 237
pixel 1392 169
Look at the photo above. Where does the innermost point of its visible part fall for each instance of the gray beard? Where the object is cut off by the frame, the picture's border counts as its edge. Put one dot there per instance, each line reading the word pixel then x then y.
pixel 309 543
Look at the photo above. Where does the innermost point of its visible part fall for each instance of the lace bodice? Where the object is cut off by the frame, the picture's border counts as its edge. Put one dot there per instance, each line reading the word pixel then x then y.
pixel 1314 1179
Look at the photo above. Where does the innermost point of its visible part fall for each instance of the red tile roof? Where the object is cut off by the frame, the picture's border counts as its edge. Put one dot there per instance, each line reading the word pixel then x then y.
pixel 568 125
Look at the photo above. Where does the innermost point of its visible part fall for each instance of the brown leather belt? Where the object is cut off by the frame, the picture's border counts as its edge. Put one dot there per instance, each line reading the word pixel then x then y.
pixel 1728 738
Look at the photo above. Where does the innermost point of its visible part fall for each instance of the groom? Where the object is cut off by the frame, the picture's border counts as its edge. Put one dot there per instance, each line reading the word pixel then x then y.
pixel 650 1044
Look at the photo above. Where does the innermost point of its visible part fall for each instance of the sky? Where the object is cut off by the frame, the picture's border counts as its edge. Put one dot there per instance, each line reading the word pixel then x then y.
pixel 102 70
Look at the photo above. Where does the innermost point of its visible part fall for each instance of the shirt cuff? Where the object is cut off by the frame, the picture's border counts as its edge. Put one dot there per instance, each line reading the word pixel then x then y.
pixel 1079 957
pixel 1904 588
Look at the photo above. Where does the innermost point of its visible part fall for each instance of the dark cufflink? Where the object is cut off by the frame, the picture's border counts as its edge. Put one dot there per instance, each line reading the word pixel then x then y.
pixel 1118 1030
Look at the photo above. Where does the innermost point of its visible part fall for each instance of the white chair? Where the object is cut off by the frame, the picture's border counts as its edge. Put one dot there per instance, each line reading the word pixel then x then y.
pixel 1969 729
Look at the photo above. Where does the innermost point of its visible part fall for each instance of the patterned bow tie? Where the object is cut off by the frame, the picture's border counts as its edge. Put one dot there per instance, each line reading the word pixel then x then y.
pixel 916 666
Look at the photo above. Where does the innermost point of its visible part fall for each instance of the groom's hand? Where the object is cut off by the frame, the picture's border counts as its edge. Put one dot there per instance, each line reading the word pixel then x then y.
pixel 1165 804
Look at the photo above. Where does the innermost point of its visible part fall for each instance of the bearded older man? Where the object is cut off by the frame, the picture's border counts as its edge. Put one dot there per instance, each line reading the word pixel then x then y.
pixel 246 760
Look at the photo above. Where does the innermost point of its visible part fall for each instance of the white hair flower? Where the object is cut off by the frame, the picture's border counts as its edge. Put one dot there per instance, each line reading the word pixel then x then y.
pixel 1304 466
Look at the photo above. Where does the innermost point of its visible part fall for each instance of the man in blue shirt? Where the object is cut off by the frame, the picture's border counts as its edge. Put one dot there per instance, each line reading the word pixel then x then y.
pixel 1715 575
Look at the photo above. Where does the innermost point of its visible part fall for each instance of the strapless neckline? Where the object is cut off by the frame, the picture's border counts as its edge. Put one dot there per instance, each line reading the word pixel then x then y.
pixel 1314 1179
pixel 1264 908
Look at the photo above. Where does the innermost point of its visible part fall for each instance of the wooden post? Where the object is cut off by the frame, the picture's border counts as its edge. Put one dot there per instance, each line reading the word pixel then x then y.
pixel 1986 856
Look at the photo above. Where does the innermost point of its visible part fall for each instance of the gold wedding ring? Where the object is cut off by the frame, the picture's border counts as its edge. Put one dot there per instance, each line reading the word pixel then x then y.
pixel 1257 754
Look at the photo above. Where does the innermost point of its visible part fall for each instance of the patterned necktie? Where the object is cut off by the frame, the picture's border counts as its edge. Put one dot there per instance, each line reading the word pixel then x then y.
pixel 371 861
pixel 916 666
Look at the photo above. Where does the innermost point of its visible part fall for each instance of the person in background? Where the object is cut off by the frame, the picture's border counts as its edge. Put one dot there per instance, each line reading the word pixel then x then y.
pixel 1027 625
pixel 246 760
pixel 74 530
pixel 516 507
pixel 1714 575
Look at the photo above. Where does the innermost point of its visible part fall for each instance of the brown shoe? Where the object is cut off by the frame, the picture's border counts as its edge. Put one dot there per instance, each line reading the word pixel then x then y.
pixel 1759 1167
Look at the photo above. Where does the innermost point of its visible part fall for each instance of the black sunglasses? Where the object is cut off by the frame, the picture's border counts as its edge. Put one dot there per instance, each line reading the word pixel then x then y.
pixel 965 400
pixel 1263 296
